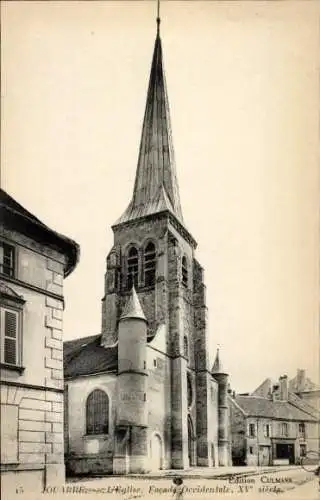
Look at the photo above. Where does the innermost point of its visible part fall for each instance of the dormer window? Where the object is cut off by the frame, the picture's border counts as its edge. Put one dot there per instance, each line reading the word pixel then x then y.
pixel 6 259
pixel 184 271
pixel 150 264
pixel 133 267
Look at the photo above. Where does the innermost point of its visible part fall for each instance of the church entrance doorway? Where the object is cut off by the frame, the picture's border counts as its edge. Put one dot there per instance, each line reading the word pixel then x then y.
pixel 156 453
pixel 191 443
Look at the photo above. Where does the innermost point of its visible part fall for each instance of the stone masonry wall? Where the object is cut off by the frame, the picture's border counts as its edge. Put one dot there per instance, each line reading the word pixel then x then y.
pixel 34 398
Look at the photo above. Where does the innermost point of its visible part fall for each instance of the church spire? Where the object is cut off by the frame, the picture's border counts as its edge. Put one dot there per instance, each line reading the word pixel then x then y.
pixel 156 186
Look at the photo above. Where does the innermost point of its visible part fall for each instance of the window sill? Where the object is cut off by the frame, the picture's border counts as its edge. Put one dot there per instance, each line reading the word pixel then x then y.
pixel 139 288
pixel 96 436
pixel 15 368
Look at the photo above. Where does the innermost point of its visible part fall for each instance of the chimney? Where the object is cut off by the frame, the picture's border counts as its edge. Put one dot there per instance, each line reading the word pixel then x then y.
pixel 283 385
pixel 301 380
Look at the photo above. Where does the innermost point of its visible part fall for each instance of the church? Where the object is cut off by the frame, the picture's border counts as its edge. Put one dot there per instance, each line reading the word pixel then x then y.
pixel 140 396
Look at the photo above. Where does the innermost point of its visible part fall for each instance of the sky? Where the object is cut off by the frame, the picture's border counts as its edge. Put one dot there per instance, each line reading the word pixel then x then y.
pixel 243 85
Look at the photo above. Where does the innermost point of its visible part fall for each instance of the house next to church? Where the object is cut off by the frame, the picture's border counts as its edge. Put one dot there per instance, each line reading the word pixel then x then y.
pixel 306 389
pixel 34 260
pixel 273 426
pixel 141 395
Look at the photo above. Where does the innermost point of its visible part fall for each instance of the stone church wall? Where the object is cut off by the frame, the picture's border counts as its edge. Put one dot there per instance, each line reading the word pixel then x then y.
pixel 89 453
pixel 159 401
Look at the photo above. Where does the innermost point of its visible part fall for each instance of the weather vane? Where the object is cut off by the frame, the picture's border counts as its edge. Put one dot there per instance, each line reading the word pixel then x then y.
pixel 158 16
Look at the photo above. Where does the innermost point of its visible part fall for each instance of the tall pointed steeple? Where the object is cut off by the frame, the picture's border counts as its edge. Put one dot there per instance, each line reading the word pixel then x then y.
pixel 156 186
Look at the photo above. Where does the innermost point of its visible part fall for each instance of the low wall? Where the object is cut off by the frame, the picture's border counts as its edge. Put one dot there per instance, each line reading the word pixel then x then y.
pixel 89 465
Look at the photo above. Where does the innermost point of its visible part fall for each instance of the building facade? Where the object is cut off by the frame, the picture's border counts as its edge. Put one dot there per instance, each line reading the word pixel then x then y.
pixel 34 260
pixel 272 426
pixel 141 394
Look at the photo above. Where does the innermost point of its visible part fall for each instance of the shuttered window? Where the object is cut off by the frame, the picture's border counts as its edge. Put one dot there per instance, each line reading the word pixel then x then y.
pixel 9 337
pixel 97 413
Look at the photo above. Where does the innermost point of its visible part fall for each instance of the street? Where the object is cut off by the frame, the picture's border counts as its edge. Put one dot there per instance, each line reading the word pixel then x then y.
pixel 294 482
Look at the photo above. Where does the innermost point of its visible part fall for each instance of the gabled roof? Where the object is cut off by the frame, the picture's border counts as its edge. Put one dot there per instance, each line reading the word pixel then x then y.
pixel 15 216
pixel 254 406
pixel 156 186
pixel 7 291
pixel 303 405
pixel 86 356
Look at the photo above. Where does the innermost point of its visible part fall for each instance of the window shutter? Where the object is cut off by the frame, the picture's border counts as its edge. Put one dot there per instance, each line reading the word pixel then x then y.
pixel 10 337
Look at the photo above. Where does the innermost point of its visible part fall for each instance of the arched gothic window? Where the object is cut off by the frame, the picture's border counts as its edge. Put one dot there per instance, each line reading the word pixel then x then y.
pixel 185 346
pixel 133 267
pixel 150 264
pixel 189 390
pixel 184 271
pixel 97 413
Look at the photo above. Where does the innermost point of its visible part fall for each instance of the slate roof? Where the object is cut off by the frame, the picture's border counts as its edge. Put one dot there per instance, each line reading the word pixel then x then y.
pixel 156 186
pixel 303 405
pixel 86 356
pixel 15 216
pixel 255 406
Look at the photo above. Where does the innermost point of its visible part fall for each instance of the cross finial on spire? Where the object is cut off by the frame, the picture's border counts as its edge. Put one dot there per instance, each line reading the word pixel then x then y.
pixel 158 17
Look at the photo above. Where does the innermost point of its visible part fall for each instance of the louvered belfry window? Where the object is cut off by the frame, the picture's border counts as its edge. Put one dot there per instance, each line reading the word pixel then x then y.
pixel 9 337
pixel 97 412
pixel 133 267
pixel 184 271
pixel 150 265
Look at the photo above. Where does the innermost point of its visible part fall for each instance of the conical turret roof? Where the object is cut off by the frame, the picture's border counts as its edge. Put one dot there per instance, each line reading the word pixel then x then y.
pixel 133 307
pixel 217 367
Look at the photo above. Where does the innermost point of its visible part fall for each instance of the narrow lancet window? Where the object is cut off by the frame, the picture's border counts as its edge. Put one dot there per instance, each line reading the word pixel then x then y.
pixel 184 271
pixel 133 267
pixel 150 264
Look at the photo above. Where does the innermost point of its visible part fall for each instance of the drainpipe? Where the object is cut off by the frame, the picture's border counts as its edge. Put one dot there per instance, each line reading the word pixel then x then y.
pixel 258 441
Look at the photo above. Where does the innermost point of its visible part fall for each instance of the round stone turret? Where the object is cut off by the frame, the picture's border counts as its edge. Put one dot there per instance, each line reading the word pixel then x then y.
pixel 221 377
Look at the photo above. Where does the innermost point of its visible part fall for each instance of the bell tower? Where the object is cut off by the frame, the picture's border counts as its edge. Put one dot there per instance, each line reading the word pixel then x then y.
pixel 153 252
